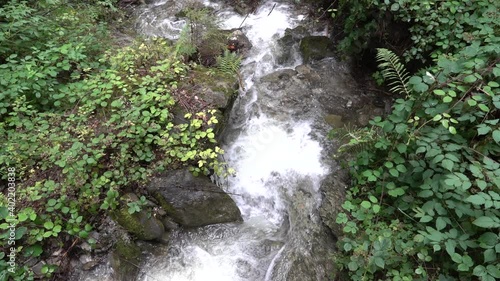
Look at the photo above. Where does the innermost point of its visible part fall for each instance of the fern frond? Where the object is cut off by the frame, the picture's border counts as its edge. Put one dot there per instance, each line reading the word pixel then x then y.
pixel 229 63
pixel 355 140
pixel 393 71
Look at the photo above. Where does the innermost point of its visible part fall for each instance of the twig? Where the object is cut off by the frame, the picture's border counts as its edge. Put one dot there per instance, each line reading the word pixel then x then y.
pixel 272 9
pixel 70 247
pixel 244 20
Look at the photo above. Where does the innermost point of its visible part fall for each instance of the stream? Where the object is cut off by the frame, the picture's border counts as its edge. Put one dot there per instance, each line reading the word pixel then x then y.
pixel 278 171
pixel 280 164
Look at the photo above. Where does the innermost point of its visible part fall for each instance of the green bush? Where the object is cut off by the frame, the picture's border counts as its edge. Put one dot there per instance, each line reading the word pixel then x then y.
pixel 45 45
pixel 425 204
pixel 80 125
pixel 425 200
pixel 436 27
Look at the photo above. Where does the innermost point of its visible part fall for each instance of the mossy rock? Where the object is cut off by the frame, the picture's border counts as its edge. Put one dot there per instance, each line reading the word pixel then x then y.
pixel 334 120
pixel 316 48
pixel 288 42
pixel 140 224
pixel 123 260
pixel 193 201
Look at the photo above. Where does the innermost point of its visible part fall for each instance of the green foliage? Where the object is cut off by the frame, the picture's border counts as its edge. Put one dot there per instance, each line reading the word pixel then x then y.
pixel 80 125
pixel 436 27
pixel 425 204
pixel 229 63
pixel 43 46
pixel 205 36
pixel 393 71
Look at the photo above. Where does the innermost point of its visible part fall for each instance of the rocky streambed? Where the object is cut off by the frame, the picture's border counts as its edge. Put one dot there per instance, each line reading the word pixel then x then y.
pixel 275 219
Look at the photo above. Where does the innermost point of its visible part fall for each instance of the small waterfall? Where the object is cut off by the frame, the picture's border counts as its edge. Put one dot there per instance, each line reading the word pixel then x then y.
pixel 279 169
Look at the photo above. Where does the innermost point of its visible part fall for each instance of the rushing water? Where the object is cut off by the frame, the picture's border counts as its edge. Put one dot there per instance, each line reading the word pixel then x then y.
pixel 278 164
pixel 273 159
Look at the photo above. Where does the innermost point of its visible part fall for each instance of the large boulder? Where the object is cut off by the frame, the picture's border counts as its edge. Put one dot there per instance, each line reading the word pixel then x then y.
pixel 316 48
pixel 193 201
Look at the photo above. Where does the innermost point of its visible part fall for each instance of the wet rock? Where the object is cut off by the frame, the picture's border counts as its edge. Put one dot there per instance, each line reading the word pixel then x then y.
pixel 141 224
pixel 288 43
pixel 243 7
pixel 124 260
pixel 246 270
pixel 316 48
pixel 334 189
pixel 334 120
pixel 193 201
pixel 240 41
pixel 278 76
pixel 169 223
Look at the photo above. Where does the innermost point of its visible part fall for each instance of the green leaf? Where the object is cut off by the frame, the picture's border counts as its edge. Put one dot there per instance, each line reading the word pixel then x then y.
pixel 486 222
pixel 447 99
pixel 396 192
pixel 425 219
pixel 488 239
pixel 450 246
pixel 394 172
pixel 401 147
pixel 490 255
pixel 483 129
pixel 353 266
pixel 379 262
pixel 439 92
pixel 472 102
pixel 447 164
pixel 457 258
pixel 470 79
pixel 401 168
pixel 52 202
pixel 493 271
pixel 483 107
pixel 440 223
pixel 48 225
pixel 20 231
pixel 479 271
pixel 481 184
pixel 496 136
pixel 4 212
pixel 366 204
pixel 476 199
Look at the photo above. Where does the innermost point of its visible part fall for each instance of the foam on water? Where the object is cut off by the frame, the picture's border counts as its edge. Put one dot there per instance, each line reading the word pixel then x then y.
pixel 271 157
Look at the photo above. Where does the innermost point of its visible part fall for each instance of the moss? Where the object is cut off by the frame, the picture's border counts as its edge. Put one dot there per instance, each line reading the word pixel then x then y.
pixel 127 250
pixel 139 224
pixel 316 48
pixel 334 120
pixel 124 259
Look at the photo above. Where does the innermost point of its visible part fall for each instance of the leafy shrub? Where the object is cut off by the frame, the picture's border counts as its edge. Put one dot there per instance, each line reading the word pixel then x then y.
pixel 436 27
pixel 45 45
pixel 111 130
pixel 425 204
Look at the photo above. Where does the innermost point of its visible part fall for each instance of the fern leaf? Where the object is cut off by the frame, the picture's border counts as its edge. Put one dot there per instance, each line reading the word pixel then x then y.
pixel 229 63
pixel 393 71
